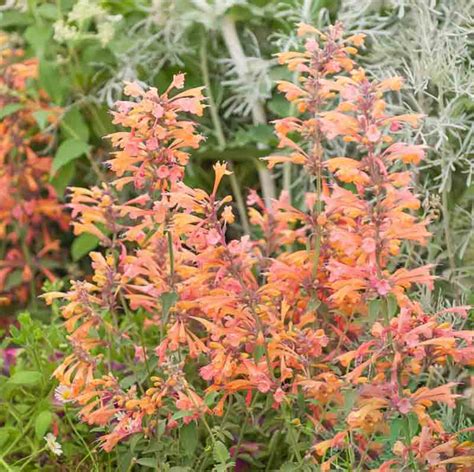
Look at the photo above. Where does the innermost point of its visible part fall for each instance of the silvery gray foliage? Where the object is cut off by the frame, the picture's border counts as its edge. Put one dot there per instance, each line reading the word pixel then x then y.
pixel 253 86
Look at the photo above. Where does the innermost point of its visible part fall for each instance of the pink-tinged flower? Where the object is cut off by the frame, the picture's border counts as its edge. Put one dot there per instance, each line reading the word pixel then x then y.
pixel 9 358
pixel 373 133
pixel 163 172
pixel 139 354
pixel 381 285
pixel 369 245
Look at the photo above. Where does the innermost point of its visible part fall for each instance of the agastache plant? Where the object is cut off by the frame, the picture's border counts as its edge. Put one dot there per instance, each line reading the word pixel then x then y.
pixel 30 211
pixel 311 312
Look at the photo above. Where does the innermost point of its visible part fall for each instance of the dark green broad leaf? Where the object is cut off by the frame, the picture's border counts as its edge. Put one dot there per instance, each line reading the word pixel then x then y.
pixel 396 429
pixel 82 245
pixel 63 177
pixel 68 151
pixel 74 126
pixel 279 106
pixel 42 423
pixel 188 438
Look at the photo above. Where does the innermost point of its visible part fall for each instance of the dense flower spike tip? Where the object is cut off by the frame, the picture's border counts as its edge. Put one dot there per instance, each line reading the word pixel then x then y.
pixel 152 152
pixel 312 318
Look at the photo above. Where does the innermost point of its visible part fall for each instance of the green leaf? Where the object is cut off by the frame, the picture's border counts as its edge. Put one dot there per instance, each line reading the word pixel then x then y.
pixel 279 106
pixel 63 177
pixel 374 310
pixel 255 134
pixel 350 397
pixel 210 398
pixel 4 435
pixel 100 119
pixel 188 438
pixel 9 109
pixel 68 151
pixel 51 80
pixel 396 426
pixel 82 245
pixel 74 126
pixel 14 18
pixel 168 299
pixel 181 414
pixel 41 117
pixel 392 305
pixel 48 11
pixel 148 462
pixel 38 36
pixel 124 461
pixel 42 422
pixel 25 377
pixel 14 279
pixel 413 423
pixel 259 351
pixel 128 381
pixel 220 452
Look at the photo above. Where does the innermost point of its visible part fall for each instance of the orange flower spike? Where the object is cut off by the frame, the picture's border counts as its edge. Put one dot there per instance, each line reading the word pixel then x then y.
pixel 151 151
pixel 30 213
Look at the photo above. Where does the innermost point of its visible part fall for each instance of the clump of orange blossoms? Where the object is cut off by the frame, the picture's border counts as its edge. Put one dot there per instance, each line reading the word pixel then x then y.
pixel 314 316
pixel 29 206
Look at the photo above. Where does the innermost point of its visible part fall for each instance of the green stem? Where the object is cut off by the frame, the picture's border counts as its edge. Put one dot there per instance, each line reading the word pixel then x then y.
pixel 413 463
pixel 81 439
pixel 171 254
pixel 13 444
pixel 7 467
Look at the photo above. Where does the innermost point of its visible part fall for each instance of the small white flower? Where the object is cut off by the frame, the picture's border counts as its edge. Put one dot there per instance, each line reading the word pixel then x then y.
pixel 64 32
pixel 63 394
pixel 85 9
pixel 105 32
pixel 52 444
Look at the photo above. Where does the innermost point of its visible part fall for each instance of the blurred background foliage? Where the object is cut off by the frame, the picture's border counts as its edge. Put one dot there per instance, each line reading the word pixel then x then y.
pixel 88 48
